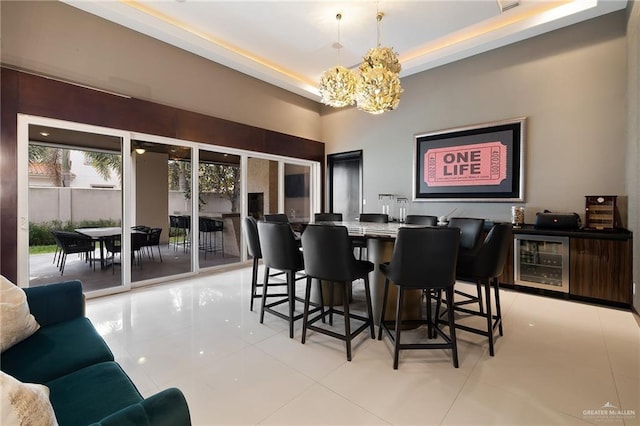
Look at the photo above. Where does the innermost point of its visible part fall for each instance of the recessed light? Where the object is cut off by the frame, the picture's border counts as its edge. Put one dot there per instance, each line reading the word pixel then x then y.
pixel 44 133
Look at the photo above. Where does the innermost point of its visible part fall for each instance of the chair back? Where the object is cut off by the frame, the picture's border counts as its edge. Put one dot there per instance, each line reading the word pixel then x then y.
pixel 73 242
pixel 153 238
pixel 327 217
pixel 279 217
pixel 425 257
pixel 184 222
pixel 490 260
pixel 374 217
pixel 279 247
pixel 470 232
pixel 113 244
pixel 417 219
pixel 138 240
pixel 327 252
pixel 251 237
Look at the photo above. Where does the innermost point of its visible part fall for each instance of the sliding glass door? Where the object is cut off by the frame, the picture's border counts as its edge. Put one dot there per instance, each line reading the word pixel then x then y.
pixel 116 209
pixel 72 216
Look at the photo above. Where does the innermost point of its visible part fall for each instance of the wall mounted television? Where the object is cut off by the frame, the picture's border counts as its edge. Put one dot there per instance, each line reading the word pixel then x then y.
pixel 294 186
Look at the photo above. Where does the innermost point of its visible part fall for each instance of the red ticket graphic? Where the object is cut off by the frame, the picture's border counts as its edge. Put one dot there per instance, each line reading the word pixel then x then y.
pixel 477 164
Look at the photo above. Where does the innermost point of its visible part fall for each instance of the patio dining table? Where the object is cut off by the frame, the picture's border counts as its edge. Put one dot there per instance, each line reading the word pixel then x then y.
pixel 100 235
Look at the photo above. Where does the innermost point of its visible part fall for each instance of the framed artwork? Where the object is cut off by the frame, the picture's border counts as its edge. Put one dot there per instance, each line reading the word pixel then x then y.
pixel 483 162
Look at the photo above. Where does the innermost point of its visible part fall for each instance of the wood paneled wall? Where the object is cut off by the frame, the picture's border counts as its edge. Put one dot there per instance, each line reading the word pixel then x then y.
pixel 35 95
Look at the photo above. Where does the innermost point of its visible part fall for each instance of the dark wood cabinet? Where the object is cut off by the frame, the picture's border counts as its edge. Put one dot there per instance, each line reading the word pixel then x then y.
pixel 601 269
pixel 600 265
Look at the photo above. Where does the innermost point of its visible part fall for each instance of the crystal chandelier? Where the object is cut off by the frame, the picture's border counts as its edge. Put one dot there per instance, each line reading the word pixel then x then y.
pixel 338 84
pixel 378 87
pixel 375 90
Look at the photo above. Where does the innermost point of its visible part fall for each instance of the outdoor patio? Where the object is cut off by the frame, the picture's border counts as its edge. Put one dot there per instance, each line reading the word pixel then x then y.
pixel 175 260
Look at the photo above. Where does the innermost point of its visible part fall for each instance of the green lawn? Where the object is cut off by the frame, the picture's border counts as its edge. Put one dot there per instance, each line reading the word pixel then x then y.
pixel 42 249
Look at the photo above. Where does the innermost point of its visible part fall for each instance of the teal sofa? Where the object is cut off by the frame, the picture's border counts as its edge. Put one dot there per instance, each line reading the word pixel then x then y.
pixel 87 387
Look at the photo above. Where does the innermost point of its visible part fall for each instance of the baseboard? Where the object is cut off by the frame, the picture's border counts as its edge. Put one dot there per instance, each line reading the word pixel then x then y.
pixel 636 315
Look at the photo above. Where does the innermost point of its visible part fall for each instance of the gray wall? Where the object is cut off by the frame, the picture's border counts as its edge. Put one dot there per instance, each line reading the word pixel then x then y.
pixel 570 83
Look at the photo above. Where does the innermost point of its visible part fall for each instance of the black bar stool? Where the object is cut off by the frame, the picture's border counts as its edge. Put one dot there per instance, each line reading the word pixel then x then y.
pixel 484 267
pixel 253 247
pixel 328 256
pixel 280 251
pixel 423 258
pixel 417 219
pixel 471 230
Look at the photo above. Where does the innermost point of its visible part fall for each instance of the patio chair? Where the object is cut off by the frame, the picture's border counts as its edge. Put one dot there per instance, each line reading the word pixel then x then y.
pixel 73 243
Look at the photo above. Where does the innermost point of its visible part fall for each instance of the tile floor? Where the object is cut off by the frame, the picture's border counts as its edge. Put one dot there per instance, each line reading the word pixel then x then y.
pixel 559 362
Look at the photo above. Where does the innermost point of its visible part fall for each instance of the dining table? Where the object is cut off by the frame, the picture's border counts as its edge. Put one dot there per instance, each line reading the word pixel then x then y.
pixel 380 240
pixel 101 234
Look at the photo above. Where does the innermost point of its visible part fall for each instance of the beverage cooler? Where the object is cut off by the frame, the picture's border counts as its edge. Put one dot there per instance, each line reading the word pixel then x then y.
pixel 541 262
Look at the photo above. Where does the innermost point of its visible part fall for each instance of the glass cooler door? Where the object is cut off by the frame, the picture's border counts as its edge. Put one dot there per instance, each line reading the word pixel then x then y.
pixel 542 262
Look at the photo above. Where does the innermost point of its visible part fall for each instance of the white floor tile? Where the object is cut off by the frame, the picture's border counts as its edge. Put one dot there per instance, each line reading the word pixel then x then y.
pixel 557 363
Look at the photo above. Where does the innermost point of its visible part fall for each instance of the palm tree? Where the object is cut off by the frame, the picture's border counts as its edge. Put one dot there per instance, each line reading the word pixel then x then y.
pixel 105 163
pixel 55 160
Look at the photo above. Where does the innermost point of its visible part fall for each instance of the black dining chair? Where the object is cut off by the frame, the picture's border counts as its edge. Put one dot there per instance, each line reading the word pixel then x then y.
pixel 277 217
pixel 374 217
pixel 328 256
pixel 153 240
pixel 484 267
pixel 327 217
pixel 73 243
pixel 253 247
pixel 471 230
pixel 361 243
pixel 423 259
pixel 417 219
pixel 281 251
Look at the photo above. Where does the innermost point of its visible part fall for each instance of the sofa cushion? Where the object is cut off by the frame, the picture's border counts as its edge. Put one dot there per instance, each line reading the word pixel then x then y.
pixel 24 403
pixel 166 408
pixel 54 351
pixel 92 393
pixel 16 322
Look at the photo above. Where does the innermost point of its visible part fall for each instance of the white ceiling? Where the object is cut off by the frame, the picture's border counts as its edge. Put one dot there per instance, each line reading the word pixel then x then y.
pixel 290 43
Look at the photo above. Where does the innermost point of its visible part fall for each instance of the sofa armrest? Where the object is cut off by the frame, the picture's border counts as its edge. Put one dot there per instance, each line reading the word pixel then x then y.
pixel 166 408
pixel 58 302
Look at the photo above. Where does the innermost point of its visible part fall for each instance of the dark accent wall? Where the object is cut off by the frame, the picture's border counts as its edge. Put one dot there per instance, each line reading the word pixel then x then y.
pixel 34 95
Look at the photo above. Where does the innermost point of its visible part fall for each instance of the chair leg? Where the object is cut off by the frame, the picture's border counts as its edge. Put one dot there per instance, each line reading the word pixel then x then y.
pixel 305 315
pixel 62 263
pixel 367 293
pixel 452 327
pixel 430 330
pixel 264 293
pixel 385 293
pixel 254 281
pixel 331 288
pixel 291 285
pixel 396 347
pixel 347 320
pixel 487 288
pixel 496 288
pixel 479 291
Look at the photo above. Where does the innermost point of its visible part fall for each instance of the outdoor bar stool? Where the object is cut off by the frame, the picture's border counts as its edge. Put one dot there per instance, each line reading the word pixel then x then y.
pixel 484 267
pixel 328 256
pixel 471 230
pixel 253 247
pixel 208 229
pixel 281 251
pixel 425 259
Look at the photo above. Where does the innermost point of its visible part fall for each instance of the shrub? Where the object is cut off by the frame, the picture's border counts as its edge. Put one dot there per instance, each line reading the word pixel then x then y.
pixel 40 233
